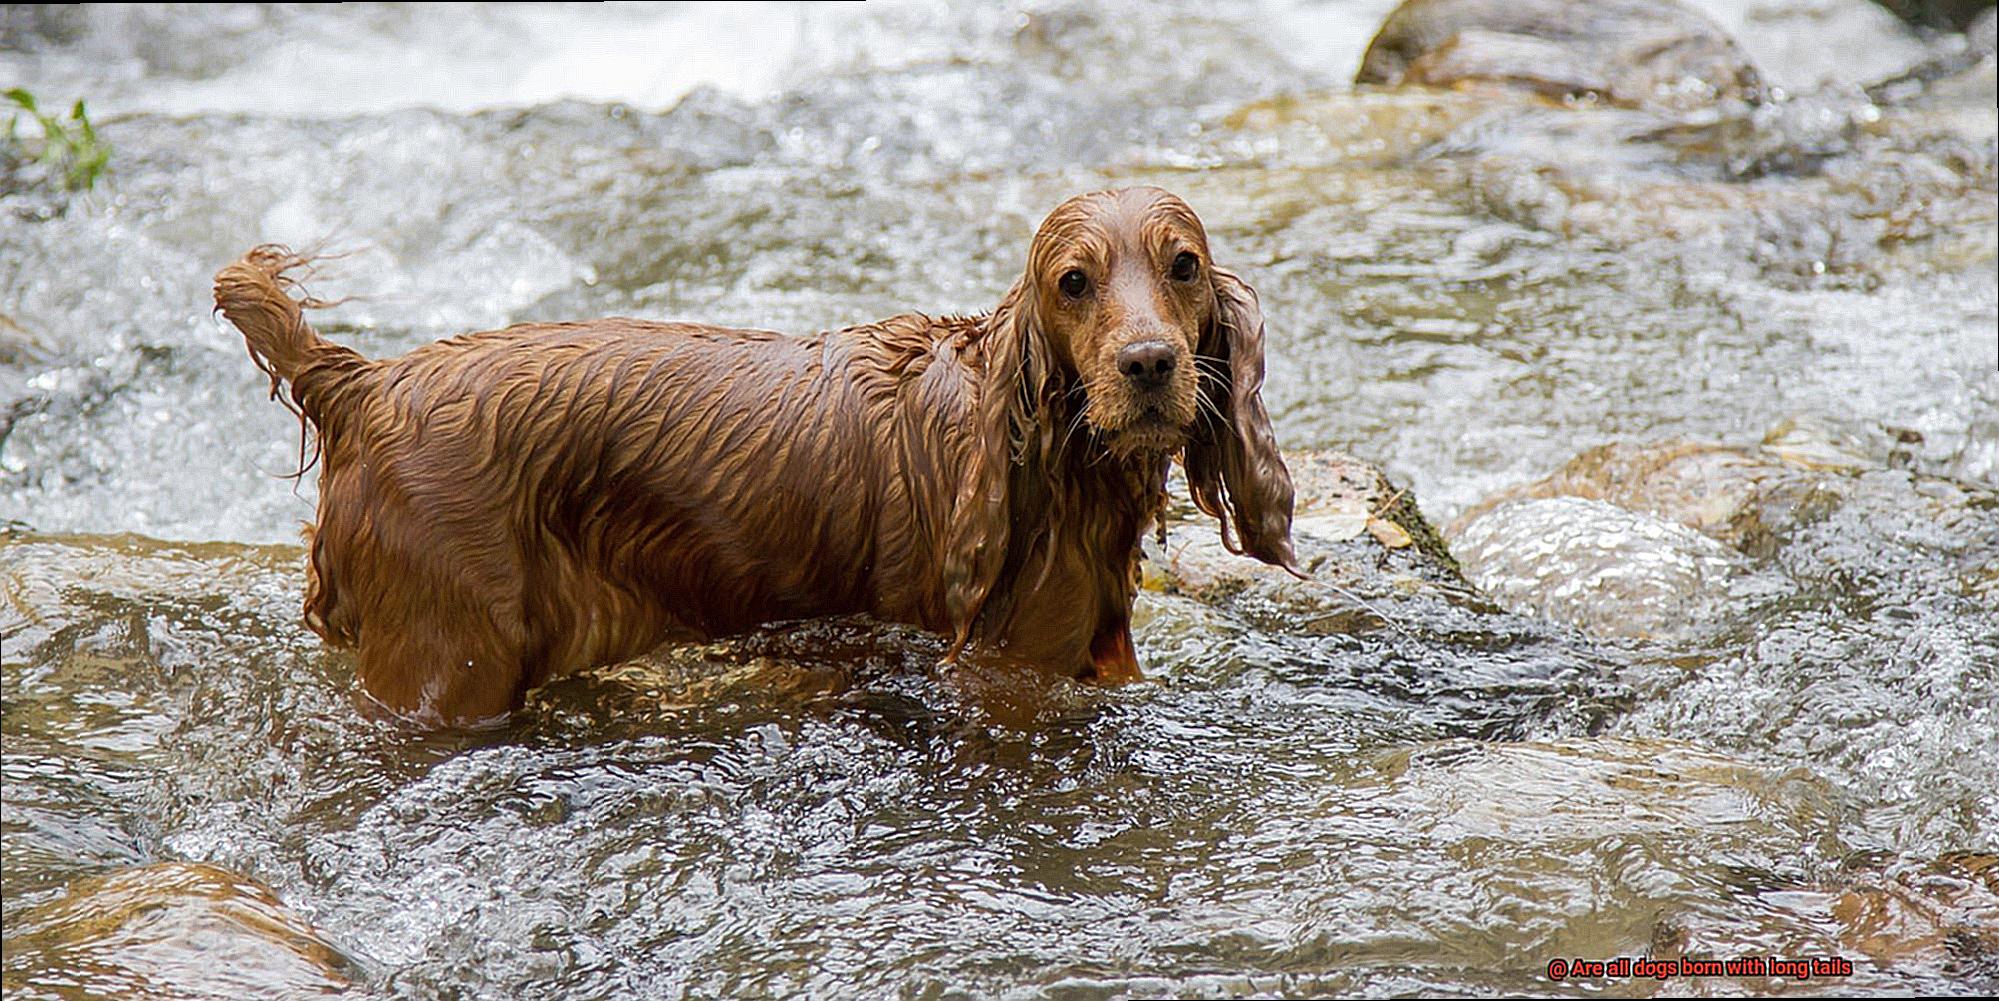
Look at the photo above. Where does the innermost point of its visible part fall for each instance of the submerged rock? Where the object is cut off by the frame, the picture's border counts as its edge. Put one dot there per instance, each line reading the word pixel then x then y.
pixel 1632 53
pixel 1634 540
pixel 1718 490
pixel 1966 68
pixel 1959 15
pixel 1942 912
pixel 1381 607
pixel 1876 143
pixel 1754 499
pixel 1357 535
pixel 1858 628
pixel 171 930
pixel 1938 915
pixel 1581 791
pixel 1596 566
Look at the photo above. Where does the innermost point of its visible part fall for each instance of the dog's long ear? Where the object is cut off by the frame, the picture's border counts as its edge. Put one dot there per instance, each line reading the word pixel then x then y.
pixel 1014 431
pixel 1234 469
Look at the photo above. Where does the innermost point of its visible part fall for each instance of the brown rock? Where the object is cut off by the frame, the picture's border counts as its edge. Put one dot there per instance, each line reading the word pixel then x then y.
pixel 171 930
pixel 1634 53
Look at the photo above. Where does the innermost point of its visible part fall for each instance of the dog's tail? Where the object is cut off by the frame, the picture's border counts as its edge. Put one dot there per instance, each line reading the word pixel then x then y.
pixel 255 294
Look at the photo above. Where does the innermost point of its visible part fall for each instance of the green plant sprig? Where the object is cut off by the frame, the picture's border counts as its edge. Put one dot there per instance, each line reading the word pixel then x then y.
pixel 69 145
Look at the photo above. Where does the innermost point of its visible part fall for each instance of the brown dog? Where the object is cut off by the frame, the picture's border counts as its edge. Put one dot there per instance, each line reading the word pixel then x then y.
pixel 503 507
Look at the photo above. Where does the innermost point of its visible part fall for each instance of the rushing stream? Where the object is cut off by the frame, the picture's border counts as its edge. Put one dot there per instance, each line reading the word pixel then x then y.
pixel 1730 688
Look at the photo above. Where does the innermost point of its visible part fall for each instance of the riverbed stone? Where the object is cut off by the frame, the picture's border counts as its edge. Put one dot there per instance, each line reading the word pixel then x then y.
pixel 1358 537
pixel 1681 521
pixel 1938 914
pixel 1942 911
pixel 1632 53
pixel 1749 498
pixel 1718 490
pixel 1596 566
pixel 173 930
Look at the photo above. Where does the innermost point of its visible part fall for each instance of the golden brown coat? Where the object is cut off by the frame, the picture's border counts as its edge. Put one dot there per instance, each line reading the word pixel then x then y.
pixel 499 508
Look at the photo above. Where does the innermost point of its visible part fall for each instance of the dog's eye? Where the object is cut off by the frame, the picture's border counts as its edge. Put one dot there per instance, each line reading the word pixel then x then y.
pixel 1074 283
pixel 1185 266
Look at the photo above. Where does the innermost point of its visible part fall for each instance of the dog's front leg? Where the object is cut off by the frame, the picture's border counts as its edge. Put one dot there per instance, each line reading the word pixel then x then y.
pixel 1113 659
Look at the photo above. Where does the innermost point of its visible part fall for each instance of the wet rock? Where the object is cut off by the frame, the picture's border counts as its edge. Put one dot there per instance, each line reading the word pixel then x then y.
pixel 1636 540
pixel 1375 573
pixel 1879 137
pixel 170 930
pixel 1632 53
pixel 1938 916
pixel 1589 564
pixel 1851 185
pixel 1626 810
pixel 1795 137
pixel 1753 501
pixel 1749 498
pixel 1802 46
pixel 1951 15
pixel 1718 490
pixel 1952 68
pixel 1943 912
pixel 1356 534
pixel 1381 609
pixel 1860 634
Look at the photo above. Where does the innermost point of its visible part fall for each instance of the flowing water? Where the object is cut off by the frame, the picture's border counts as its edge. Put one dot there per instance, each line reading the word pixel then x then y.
pixel 1469 288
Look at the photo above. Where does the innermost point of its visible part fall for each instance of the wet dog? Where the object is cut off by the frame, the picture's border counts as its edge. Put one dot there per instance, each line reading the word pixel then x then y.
pixel 500 508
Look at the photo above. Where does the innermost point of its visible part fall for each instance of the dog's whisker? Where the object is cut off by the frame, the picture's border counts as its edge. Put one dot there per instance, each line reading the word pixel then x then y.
pixel 1386 619
pixel 1076 423
pixel 1204 404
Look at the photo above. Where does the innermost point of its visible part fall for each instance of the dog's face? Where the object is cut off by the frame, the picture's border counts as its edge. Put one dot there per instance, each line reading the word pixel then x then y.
pixel 1122 285
pixel 1121 305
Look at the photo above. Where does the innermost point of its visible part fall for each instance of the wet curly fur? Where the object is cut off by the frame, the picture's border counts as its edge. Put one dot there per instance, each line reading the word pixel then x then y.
pixel 499 508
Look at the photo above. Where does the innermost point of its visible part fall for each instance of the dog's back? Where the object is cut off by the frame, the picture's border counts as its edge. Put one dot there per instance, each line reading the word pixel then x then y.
pixel 501 507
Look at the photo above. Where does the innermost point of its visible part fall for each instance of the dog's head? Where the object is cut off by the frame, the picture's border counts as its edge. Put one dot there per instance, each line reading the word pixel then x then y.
pixel 1123 310
pixel 1120 288
pixel 1167 348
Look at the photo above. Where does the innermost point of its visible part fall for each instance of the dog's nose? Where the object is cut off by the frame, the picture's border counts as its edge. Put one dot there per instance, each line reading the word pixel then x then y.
pixel 1148 363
